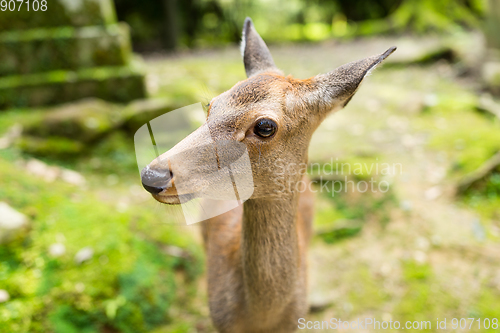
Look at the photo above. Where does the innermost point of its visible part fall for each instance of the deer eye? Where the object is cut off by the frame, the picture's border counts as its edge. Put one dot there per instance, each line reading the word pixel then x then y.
pixel 265 128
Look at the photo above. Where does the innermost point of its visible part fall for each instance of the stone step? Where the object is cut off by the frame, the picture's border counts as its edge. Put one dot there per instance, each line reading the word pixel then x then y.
pixel 76 13
pixel 64 48
pixel 117 84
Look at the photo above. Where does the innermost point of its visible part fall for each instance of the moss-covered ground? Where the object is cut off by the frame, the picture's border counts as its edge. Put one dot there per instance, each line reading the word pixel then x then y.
pixel 415 252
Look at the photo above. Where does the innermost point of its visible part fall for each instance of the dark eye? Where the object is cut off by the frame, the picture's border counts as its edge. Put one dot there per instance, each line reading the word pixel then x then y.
pixel 265 128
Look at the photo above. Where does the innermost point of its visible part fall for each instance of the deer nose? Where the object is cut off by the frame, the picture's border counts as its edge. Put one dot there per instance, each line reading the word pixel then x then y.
pixel 154 180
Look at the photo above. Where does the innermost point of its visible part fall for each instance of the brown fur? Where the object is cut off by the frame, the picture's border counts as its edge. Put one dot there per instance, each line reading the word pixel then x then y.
pixel 256 253
pixel 278 306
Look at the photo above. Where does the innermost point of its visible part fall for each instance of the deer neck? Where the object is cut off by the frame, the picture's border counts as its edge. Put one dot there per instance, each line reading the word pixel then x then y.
pixel 270 255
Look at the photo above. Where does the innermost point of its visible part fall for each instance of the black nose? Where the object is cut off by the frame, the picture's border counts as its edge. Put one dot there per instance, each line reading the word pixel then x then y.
pixel 156 180
pixel 153 189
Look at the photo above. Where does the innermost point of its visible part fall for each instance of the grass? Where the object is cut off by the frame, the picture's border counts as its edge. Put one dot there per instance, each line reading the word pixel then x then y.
pixel 128 285
pixel 468 138
pixel 470 141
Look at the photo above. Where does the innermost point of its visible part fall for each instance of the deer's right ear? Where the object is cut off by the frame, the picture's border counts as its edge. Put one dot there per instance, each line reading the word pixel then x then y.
pixel 256 55
pixel 325 92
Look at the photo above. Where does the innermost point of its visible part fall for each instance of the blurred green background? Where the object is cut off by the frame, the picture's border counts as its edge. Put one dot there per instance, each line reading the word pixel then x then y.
pixel 83 248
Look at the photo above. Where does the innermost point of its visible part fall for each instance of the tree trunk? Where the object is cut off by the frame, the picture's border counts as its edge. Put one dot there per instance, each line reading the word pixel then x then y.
pixel 170 34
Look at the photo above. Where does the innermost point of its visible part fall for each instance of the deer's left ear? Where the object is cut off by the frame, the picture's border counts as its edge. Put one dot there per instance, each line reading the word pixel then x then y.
pixel 256 55
pixel 336 88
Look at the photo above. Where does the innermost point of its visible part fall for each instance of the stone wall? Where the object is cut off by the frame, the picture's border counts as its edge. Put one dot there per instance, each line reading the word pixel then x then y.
pixel 73 49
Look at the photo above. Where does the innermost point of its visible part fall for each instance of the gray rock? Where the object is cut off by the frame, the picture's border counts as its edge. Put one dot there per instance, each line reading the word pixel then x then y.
pixel 4 296
pixel 406 205
pixel 10 136
pixel 51 173
pixel 84 254
pixel 57 250
pixel 139 112
pixel 13 224
pixel 84 121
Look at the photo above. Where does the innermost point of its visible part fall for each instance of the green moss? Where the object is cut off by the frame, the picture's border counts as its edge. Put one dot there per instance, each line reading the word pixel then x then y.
pixel 486 204
pixel 416 272
pixel 83 121
pixel 61 76
pixel 140 112
pixel 471 140
pixel 355 205
pixel 341 232
pixel 341 213
pixel 116 149
pixel 49 146
pixel 366 292
pixel 487 306
pixel 466 137
pixel 325 214
pixel 59 13
pixel 25 117
pixel 118 84
pixel 63 48
pixel 128 284
pixel 423 298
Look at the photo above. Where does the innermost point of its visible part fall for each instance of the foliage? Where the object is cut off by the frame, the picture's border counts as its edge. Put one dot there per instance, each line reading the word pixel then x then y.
pixel 216 22
pixel 128 285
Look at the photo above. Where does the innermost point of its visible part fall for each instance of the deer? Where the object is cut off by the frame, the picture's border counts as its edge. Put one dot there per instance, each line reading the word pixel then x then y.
pixel 256 253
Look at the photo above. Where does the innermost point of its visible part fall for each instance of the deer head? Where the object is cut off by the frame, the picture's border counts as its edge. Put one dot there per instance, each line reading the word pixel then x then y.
pixel 271 115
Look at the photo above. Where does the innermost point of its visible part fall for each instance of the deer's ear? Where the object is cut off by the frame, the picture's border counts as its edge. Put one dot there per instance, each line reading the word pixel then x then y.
pixel 256 55
pixel 336 88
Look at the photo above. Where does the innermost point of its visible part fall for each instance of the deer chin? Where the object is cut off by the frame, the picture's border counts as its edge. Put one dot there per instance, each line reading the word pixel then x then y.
pixel 174 199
